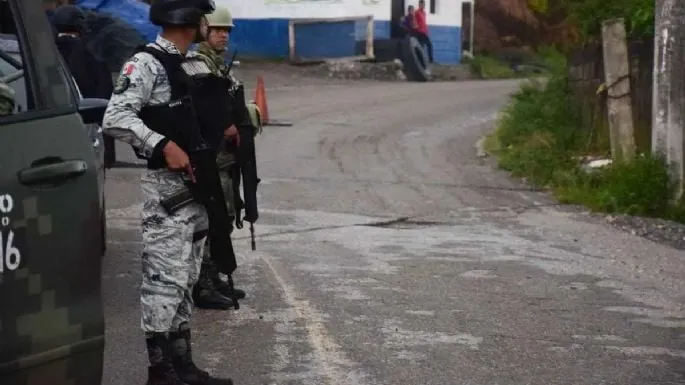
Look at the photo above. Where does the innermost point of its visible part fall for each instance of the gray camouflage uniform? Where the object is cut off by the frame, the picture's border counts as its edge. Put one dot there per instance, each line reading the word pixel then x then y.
pixel 172 252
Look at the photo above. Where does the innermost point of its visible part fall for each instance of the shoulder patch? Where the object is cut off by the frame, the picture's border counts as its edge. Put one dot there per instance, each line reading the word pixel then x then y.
pixel 122 84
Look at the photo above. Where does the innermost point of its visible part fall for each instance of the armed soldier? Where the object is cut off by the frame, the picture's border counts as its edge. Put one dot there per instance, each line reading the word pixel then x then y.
pixel 158 106
pixel 211 291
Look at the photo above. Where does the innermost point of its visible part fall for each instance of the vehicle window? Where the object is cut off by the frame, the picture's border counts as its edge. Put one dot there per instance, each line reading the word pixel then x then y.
pixel 29 60
pixel 10 75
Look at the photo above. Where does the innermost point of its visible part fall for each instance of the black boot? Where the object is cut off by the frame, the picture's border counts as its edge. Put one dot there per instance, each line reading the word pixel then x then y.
pixel 182 359
pixel 161 370
pixel 206 295
pixel 227 288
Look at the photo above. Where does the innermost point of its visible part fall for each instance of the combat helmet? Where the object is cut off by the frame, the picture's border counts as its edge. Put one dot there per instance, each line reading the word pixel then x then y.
pixel 180 13
pixel 221 18
pixel 69 18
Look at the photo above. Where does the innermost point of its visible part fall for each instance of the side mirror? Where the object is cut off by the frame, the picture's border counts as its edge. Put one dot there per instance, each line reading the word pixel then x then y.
pixel 92 110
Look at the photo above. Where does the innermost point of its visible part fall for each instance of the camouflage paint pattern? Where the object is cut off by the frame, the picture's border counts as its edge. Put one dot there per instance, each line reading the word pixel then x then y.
pixel 171 253
pixel 52 321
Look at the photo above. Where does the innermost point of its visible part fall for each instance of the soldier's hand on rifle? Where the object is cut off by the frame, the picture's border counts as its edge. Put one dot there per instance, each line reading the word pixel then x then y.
pixel 232 133
pixel 176 158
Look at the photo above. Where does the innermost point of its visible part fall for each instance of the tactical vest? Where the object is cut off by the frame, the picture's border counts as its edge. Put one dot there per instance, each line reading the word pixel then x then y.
pixel 197 114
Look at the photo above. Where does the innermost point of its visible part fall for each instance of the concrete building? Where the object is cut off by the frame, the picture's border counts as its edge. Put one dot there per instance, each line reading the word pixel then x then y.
pixel 262 26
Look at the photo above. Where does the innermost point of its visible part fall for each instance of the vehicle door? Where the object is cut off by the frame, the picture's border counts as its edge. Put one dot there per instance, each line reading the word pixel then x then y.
pixel 51 316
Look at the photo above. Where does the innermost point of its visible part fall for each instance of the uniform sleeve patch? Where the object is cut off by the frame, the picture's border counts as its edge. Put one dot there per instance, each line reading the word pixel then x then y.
pixel 129 69
pixel 122 84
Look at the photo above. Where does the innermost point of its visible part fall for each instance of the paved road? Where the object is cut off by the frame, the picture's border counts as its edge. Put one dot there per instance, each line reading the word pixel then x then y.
pixel 388 253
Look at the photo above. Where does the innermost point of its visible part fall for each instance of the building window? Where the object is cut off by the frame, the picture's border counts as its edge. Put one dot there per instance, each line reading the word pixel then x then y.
pixel 432 6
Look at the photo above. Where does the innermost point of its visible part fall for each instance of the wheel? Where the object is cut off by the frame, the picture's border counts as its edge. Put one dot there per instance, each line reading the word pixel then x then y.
pixel 415 60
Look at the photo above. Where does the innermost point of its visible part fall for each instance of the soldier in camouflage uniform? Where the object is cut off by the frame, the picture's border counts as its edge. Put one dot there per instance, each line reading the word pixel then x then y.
pixel 219 27
pixel 172 244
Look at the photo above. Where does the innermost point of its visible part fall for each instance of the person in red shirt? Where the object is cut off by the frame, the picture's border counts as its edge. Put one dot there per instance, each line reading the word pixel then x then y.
pixel 421 32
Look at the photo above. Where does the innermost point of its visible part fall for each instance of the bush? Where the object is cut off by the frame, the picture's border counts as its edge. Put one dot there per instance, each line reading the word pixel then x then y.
pixel 487 67
pixel 540 136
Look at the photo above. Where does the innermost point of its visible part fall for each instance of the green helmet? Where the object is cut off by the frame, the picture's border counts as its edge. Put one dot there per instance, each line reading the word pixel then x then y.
pixel 221 18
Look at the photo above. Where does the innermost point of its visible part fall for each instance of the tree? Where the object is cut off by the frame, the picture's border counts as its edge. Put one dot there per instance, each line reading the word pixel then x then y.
pixel 668 127
pixel 588 15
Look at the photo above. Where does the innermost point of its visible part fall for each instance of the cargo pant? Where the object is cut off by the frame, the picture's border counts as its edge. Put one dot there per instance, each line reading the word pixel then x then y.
pixel 230 205
pixel 172 254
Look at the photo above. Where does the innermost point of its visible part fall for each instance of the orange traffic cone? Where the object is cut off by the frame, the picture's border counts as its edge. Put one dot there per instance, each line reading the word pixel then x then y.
pixel 260 100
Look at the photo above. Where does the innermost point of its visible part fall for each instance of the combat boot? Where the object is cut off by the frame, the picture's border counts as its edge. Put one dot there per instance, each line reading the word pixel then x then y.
pixel 182 360
pixel 161 370
pixel 206 295
pixel 227 288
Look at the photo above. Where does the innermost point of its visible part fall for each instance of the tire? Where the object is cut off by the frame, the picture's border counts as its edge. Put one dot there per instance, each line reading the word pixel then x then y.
pixel 415 60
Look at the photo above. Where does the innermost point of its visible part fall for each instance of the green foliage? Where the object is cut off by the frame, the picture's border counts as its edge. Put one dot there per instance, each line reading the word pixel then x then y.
pixel 540 136
pixel 487 67
pixel 589 14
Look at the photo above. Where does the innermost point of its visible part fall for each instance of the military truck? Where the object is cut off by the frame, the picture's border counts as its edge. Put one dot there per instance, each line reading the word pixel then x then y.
pixel 52 217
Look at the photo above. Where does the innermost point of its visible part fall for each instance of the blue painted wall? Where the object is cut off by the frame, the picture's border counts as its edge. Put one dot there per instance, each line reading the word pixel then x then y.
pixel 269 38
pixel 446 44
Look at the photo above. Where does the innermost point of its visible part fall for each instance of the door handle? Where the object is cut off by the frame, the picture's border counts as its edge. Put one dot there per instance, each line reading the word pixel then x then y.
pixel 51 173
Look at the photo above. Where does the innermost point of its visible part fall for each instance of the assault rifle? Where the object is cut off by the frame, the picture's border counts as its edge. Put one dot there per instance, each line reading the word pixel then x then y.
pixel 207 189
pixel 246 162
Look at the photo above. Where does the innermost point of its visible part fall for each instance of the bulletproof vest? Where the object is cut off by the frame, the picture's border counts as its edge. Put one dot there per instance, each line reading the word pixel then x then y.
pixel 199 109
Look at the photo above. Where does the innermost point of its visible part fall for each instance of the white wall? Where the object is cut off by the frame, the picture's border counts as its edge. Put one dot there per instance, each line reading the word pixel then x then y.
pixel 447 12
pixel 267 9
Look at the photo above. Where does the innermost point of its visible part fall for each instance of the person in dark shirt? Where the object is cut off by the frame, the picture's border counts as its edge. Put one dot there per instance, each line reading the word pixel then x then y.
pixel 409 20
pixel 92 76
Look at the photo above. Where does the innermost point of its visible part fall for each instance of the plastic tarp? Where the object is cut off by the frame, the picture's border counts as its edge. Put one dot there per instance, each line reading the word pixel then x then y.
pixel 133 12
pixel 115 28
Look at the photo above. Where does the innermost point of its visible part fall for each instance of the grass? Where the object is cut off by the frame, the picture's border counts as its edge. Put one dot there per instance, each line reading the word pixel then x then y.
pixel 541 136
pixel 539 64
pixel 487 67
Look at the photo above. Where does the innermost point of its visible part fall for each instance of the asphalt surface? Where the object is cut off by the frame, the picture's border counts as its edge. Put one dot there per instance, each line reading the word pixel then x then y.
pixel 389 253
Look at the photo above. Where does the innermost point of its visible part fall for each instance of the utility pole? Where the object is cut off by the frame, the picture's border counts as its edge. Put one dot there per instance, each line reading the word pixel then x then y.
pixel 619 105
pixel 668 123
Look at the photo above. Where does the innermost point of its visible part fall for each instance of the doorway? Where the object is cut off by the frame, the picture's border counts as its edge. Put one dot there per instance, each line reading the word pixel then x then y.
pixel 397 10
